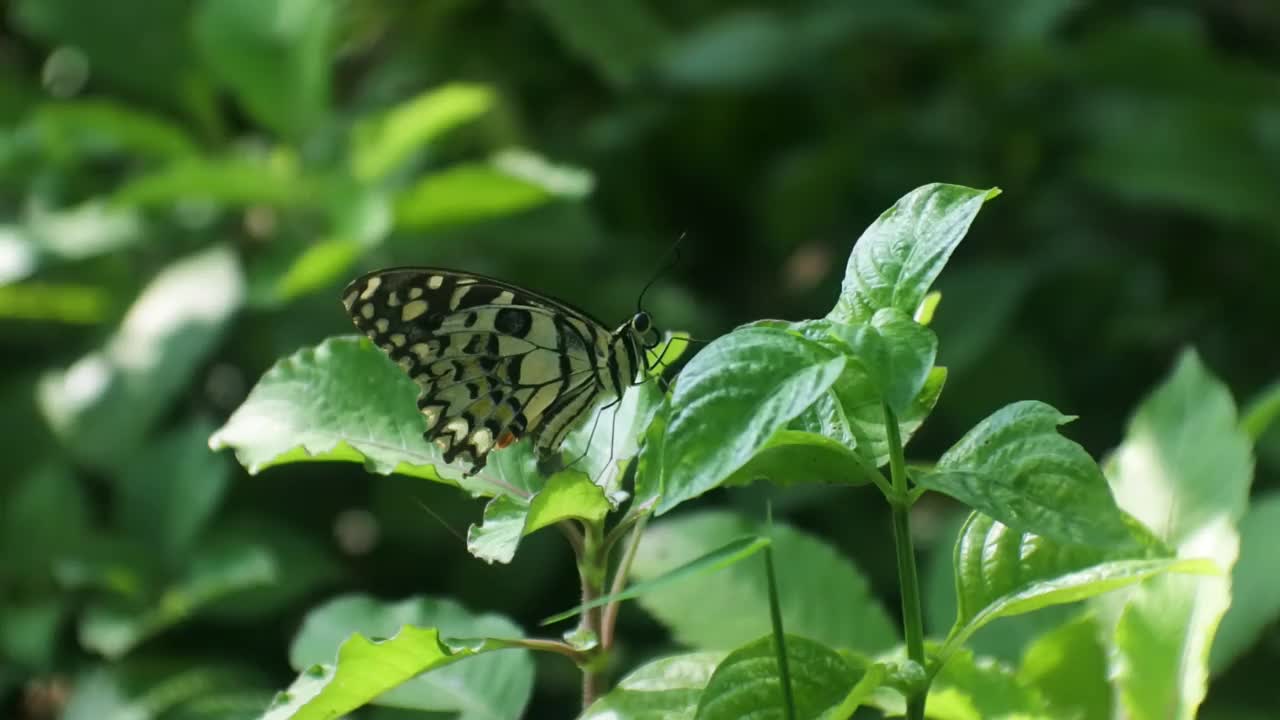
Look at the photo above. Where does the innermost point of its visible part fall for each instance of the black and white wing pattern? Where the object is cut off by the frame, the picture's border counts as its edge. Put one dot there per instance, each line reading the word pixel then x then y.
pixel 494 362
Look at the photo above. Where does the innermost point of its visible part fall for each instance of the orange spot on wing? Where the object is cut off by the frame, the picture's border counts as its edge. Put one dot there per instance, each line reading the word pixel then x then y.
pixel 505 439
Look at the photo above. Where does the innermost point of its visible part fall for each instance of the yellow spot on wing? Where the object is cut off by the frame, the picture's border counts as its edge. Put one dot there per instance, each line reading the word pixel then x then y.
pixel 435 281
pixel 398 340
pixel 504 298
pixel 413 309
pixel 382 324
pixel 415 293
pixel 372 287
pixel 367 310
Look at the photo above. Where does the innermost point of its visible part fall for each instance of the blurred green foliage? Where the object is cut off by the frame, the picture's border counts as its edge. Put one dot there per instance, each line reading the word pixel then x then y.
pixel 184 186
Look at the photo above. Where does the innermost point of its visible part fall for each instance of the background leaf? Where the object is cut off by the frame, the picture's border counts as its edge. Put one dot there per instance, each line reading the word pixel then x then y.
pixel 102 406
pixel 810 576
pixel 1192 495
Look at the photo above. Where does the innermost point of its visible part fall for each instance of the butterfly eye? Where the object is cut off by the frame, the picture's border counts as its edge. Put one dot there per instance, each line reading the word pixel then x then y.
pixel 641 322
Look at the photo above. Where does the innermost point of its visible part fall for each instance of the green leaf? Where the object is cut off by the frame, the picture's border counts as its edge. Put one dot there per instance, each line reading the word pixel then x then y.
pixel 1015 467
pixel 114 628
pixel 664 689
pixel 898 257
pixel 1184 469
pixel 747 683
pixel 1001 572
pixel 382 142
pixel 851 412
pixel 1005 640
pixel 169 490
pixel 614 435
pixel 273 55
pixel 29 633
pixel 1255 586
pixel 365 671
pixel 729 608
pixel 102 407
pixel 316 268
pixel 792 457
pixel 342 400
pixel 227 181
pixel 1068 666
pixel 1185 464
pixel 141 690
pixel 507 518
pixel 493 686
pixel 974 688
pixel 106 127
pixel 895 351
pixel 108 35
pixel 467 193
pixel 1262 412
pixel 44 516
pixel 304 564
pixel 63 303
pixel 731 398
pixel 87 230
pixel 718 559
pixel 617 38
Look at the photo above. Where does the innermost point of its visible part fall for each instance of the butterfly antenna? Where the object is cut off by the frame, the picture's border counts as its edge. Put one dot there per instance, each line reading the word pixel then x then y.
pixel 441 520
pixel 673 256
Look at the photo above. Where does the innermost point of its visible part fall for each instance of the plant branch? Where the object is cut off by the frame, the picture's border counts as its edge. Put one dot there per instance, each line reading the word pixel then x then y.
pixel 592 564
pixel 610 618
pixel 908 579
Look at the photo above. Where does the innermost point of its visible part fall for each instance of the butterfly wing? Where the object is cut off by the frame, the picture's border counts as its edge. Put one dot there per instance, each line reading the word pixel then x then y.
pixel 494 362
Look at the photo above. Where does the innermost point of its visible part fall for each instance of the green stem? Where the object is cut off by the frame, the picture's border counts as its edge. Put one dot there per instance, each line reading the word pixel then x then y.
pixel 610 619
pixel 912 616
pixel 591 569
pixel 779 637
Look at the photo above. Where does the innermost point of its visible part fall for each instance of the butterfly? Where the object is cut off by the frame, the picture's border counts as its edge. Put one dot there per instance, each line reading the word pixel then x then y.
pixel 495 362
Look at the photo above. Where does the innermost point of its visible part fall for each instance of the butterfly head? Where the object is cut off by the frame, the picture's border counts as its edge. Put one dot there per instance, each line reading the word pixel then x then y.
pixel 642 329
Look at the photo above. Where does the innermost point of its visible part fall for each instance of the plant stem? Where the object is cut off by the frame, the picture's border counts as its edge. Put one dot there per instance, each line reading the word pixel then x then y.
pixel 610 618
pixel 591 569
pixel 779 636
pixel 912 617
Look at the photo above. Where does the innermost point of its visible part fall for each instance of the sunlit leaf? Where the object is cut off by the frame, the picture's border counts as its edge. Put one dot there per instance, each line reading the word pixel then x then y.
pixel 1184 469
pixel 507 518
pixel 382 142
pixel 342 400
pixel 474 192
pixel 104 404
pixel 1001 572
pixel 898 257
pixel 1255 587
pixel 1068 666
pixel 666 688
pixel 489 686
